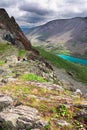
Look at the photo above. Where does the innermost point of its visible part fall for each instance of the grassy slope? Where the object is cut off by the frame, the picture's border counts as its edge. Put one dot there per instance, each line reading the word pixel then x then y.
pixel 79 72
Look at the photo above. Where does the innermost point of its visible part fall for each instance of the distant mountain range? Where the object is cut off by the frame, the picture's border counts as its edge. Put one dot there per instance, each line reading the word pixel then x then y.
pixel 61 36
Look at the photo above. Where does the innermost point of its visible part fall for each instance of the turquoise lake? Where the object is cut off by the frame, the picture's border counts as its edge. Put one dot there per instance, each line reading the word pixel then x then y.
pixel 73 59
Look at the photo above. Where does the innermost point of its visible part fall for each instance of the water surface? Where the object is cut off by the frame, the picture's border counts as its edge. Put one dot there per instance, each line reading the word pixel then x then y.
pixel 73 59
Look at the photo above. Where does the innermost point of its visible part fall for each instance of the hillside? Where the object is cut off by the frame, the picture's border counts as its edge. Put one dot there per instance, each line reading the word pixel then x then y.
pixel 61 36
pixel 34 96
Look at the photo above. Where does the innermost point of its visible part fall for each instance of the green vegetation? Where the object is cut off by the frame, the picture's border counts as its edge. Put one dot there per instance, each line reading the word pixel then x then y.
pixel 79 72
pixel 7 49
pixel 21 53
pixel 1 62
pixel 3 47
pixel 47 127
pixel 63 111
pixel 32 77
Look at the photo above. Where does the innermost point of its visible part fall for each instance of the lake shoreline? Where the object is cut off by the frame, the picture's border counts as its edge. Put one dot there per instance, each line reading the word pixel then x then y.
pixel 73 59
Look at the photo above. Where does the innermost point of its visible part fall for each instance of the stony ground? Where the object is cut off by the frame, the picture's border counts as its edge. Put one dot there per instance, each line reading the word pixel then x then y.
pixel 37 104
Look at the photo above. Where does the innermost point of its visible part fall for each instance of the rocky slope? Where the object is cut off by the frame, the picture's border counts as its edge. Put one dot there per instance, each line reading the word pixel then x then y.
pixel 10 31
pixel 28 102
pixel 67 35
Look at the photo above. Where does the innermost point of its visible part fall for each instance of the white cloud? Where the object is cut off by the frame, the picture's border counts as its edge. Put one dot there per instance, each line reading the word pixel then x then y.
pixel 35 12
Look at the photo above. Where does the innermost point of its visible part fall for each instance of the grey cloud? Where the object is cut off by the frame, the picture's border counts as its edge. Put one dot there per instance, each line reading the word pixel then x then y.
pixel 34 8
pixel 34 19
pixel 8 3
pixel 74 1
pixel 31 18
pixel 37 12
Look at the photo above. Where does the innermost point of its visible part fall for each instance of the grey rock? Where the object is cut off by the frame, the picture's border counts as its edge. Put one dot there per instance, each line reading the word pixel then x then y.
pixel 78 92
pixel 1 71
pixel 21 117
pixel 63 123
pixel 48 86
pixel 5 101
pixel 85 96
pixel 11 60
pixel 81 115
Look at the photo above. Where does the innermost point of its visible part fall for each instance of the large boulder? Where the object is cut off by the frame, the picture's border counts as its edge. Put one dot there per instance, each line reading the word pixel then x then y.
pixel 19 117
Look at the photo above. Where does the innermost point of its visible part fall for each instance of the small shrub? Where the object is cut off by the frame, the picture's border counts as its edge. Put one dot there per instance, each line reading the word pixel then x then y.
pixel 63 111
pixel 21 53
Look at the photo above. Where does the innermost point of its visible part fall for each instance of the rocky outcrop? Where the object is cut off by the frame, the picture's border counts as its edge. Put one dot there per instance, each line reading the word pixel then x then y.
pixel 20 117
pixel 11 31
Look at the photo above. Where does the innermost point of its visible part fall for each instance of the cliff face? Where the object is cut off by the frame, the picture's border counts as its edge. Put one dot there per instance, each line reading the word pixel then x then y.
pixel 10 31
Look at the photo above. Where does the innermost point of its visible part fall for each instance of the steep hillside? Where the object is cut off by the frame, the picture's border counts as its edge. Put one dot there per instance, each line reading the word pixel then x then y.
pixel 36 96
pixel 10 31
pixel 64 35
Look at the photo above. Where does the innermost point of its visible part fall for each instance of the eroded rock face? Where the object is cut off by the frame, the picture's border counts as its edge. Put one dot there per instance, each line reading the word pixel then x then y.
pixel 20 117
pixel 11 31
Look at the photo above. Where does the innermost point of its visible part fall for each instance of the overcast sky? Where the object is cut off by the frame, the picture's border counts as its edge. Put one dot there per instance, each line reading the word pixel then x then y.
pixel 37 12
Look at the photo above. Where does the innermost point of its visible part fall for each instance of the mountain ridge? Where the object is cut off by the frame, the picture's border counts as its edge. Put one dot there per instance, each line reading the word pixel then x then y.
pixel 63 34
pixel 10 31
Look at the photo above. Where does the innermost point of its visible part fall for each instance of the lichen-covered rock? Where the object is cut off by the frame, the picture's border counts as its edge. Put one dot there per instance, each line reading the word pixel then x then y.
pixel 21 117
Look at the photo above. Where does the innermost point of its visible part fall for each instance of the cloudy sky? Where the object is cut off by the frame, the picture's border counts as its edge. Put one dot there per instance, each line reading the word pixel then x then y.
pixel 36 12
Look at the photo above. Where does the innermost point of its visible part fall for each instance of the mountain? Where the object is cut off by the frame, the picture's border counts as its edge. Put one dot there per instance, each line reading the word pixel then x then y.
pixel 63 35
pixel 10 31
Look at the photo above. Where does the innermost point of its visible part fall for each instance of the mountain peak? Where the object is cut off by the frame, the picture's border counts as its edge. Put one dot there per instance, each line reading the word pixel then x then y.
pixel 11 31
pixel 2 10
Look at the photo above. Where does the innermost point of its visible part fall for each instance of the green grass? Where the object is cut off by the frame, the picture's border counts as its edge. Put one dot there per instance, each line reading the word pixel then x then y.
pixel 2 63
pixel 79 72
pixel 3 47
pixel 32 77
pixel 7 49
pixel 21 53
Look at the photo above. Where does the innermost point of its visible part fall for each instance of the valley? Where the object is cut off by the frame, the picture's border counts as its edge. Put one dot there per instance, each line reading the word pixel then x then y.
pixel 64 36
